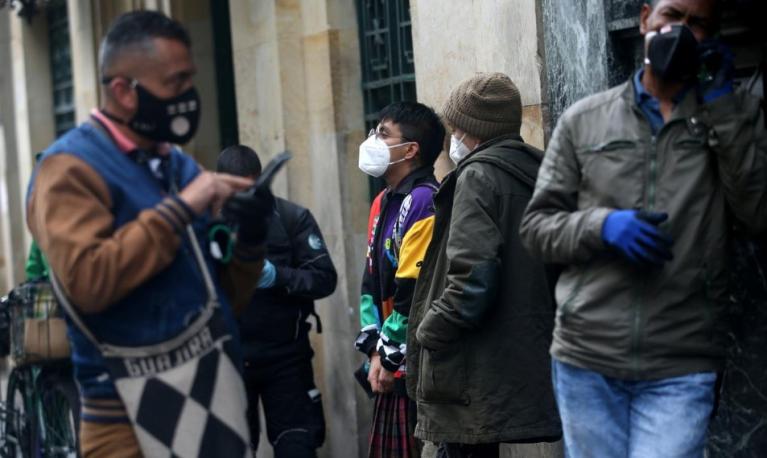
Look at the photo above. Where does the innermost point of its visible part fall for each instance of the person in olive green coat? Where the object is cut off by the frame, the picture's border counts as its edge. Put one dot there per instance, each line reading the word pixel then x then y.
pixel 478 363
pixel 637 195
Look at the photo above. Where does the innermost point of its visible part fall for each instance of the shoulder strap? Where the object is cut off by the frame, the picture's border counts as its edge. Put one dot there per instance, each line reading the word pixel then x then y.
pixel 73 314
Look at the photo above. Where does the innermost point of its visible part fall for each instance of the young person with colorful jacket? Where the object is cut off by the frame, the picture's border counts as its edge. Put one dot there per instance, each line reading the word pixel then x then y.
pixel 402 150
pixel 109 203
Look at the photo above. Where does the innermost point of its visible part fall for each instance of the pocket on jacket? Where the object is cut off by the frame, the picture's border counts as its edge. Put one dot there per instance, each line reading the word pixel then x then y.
pixel 442 376
pixel 602 166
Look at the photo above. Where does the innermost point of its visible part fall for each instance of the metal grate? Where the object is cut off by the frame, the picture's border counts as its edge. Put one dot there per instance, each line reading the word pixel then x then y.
pixel 386 47
pixel 61 66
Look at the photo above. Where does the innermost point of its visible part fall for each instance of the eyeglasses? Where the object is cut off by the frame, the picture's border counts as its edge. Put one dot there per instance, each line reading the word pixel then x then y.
pixel 381 135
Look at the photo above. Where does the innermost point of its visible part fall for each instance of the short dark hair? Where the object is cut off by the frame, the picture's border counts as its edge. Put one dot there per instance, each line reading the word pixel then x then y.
pixel 419 124
pixel 136 30
pixel 239 160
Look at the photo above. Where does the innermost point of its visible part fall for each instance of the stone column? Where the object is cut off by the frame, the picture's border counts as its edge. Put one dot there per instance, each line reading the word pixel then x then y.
pixel 84 45
pixel 332 77
pixel 196 17
pixel 7 274
pixel 297 74
pixel 7 143
pixel 255 52
pixel 159 5
pixel 33 118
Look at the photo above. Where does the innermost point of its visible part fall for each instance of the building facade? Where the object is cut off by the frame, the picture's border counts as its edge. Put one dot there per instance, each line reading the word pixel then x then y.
pixel 309 76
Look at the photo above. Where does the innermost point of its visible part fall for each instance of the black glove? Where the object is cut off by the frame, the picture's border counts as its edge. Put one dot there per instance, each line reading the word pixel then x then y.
pixel 250 211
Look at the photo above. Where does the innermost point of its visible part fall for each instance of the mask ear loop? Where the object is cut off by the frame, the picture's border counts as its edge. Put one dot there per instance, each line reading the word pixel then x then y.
pixel 396 146
pixel 218 234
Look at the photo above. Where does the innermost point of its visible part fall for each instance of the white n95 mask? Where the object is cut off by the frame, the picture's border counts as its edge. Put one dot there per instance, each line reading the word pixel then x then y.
pixel 375 156
pixel 458 150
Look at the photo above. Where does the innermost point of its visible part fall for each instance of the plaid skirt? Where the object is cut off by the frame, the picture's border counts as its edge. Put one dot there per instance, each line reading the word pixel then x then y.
pixel 391 436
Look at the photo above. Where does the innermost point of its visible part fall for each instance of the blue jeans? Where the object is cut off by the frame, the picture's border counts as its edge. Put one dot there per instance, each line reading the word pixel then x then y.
pixel 612 418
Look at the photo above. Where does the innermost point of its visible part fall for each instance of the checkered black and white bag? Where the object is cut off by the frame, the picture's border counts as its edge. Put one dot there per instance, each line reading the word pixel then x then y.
pixel 185 397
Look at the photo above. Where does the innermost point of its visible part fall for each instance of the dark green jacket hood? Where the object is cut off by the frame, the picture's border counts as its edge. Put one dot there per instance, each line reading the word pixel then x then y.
pixel 511 154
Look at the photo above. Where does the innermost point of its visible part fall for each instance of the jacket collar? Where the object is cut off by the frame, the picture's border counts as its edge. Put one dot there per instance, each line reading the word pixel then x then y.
pixel 123 143
pixel 487 144
pixel 688 104
pixel 415 177
pixel 510 153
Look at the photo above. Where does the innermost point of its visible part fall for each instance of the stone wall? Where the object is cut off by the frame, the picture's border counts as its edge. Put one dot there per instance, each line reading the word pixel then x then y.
pixel 451 44
pixel 575 42
pixel 297 75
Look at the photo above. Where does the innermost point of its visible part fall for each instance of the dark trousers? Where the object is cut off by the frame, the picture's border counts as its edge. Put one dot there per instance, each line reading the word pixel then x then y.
pixel 295 424
pixel 447 450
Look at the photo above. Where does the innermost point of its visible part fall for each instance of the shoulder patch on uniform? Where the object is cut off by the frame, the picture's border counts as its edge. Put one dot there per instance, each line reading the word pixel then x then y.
pixel 315 242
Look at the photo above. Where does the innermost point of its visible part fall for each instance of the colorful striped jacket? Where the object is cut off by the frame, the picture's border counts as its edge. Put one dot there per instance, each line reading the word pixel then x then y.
pixel 399 232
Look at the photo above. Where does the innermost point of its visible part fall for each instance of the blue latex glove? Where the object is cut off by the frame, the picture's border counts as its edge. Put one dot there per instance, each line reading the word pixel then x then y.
pixel 635 235
pixel 268 275
pixel 718 69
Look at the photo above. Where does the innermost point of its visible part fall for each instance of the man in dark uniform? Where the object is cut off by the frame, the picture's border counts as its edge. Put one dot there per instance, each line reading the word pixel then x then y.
pixel 274 328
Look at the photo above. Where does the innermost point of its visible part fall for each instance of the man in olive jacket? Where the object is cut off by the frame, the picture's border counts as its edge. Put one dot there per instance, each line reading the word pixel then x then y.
pixel 482 306
pixel 637 192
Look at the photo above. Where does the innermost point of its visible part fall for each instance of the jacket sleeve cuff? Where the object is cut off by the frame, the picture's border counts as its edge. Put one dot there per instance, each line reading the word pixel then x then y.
pixel 435 332
pixel 175 212
pixel 367 339
pixel 392 354
pixel 595 222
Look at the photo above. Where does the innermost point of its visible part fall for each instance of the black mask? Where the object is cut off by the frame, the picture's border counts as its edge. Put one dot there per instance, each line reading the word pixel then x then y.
pixel 673 54
pixel 172 120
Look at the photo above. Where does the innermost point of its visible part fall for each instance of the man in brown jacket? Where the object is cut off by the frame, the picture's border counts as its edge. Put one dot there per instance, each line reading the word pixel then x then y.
pixel 637 192
pixel 112 205
pixel 482 314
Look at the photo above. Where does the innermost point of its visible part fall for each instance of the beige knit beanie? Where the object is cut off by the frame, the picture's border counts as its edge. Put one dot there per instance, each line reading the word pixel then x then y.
pixel 485 106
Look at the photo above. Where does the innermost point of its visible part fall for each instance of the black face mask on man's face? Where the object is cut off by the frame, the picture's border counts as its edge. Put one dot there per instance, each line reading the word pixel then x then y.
pixel 172 120
pixel 672 53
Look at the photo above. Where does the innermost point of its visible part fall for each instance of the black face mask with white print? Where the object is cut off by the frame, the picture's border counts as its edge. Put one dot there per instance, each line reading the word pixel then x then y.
pixel 172 120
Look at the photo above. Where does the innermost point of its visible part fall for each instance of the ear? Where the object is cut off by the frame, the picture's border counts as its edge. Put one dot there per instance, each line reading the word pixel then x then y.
pixel 412 150
pixel 123 94
pixel 472 142
pixel 644 15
